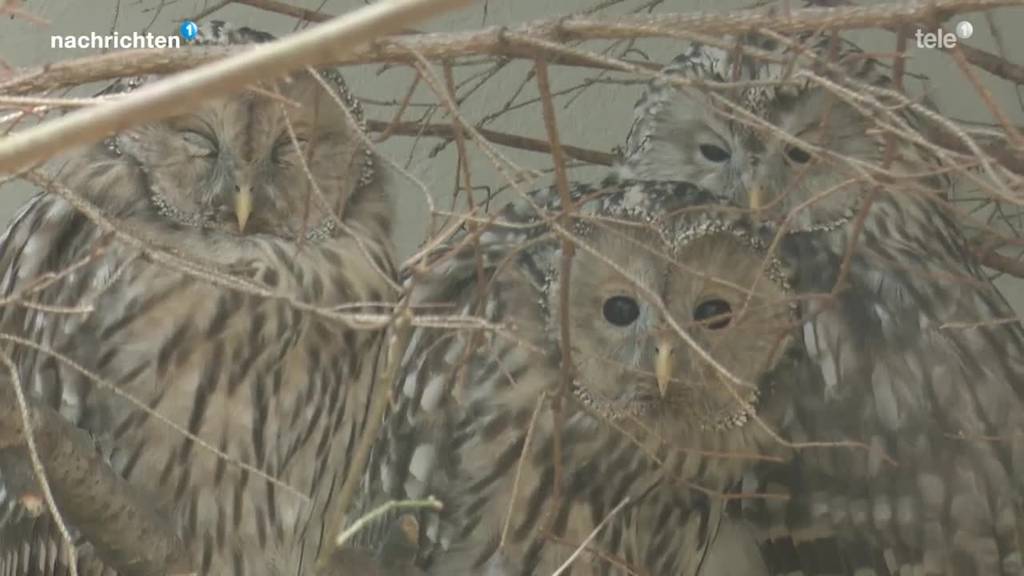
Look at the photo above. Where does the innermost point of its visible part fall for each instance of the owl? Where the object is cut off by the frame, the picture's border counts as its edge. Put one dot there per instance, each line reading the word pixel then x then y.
pixel 775 140
pixel 682 332
pixel 268 381
pixel 908 444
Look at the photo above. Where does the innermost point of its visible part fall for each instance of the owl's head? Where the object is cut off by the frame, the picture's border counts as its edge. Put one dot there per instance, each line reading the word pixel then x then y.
pixel 280 158
pixel 772 141
pixel 644 279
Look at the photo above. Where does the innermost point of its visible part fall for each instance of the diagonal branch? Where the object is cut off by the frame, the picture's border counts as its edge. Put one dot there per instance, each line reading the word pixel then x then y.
pixel 504 138
pixel 180 93
pixel 126 531
pixel 497 40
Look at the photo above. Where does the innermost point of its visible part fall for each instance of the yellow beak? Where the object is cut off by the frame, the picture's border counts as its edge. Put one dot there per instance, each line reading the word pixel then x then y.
pixel 663 366
pixel 756 198
pixel 243 206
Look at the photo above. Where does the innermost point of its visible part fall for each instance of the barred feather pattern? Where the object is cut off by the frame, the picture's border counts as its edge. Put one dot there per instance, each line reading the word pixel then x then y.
pixel 278 389
pixel 920 361
pixel 721 132
pixel 465 399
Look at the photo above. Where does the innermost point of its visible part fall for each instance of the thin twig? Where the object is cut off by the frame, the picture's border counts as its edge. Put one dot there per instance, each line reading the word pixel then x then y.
pixel 29 432
pixel 590 537
pixel 379 402
pixel 495 40
pixel 430 503
pixel 523 456
pixel 287 10
pixel 118 520
pixel 568 207
pixel 503 138
pixel 180 93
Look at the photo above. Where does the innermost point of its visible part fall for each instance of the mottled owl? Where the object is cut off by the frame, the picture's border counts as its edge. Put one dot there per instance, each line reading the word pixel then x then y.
pixel 271 375
pixel 909 445
pixel 681 328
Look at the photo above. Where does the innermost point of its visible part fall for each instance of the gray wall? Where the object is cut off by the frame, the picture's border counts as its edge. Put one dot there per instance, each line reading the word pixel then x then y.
pixel 597 117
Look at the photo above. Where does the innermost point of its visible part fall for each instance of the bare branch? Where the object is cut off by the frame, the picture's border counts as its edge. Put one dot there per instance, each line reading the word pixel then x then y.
pixel 118 520
pixel 379 402
pixel 180 93
pixel 495 40
pixel 505 139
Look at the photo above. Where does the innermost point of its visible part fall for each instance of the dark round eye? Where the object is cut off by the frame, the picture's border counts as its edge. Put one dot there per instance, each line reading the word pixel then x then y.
pixel 713 153
pixel 798 155
pixel 715 308
pixel 621 310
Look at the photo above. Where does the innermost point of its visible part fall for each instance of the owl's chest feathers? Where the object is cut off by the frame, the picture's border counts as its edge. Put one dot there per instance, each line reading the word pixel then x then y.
pixel 251 377
pixel 601 466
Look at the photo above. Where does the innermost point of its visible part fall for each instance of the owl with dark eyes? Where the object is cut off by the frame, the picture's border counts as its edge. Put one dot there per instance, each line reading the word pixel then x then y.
pixel 273 185
pixel 912 435
pixel 777 139
pixel 681 330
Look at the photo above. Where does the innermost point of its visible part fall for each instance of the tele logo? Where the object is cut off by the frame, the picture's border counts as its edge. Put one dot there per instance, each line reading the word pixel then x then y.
pixel 942 39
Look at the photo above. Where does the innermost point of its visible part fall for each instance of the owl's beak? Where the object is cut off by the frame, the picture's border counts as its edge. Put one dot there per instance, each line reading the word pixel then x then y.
pixel 663 365
pixel 243 206
pixel 756 196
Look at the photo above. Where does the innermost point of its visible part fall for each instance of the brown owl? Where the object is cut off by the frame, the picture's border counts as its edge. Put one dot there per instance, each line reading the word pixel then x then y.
pixel 646 409
pixel 277 388
pixel 912 459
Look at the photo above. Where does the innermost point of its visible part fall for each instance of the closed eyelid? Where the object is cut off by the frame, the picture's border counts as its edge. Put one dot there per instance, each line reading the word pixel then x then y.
pixel 192 123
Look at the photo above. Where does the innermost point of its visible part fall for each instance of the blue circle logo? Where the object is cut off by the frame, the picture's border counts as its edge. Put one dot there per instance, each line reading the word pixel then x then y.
pixel 189 30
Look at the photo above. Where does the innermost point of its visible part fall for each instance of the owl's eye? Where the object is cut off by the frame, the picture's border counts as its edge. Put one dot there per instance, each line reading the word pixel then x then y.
pixel 798 155
pixel 199 144
pixel 621 310
pixel 714 153
pixel 714 313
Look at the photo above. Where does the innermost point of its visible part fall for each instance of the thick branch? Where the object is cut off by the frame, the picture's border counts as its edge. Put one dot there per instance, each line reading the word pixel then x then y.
pixel 496 41
pixel 180 93
pixel 121 524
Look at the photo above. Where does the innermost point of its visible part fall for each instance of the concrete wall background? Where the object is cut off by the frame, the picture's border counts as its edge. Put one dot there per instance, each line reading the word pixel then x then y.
pixel 596 118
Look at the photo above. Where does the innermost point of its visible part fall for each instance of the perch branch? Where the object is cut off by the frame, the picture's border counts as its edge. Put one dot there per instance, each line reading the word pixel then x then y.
pixel 126 531
pixel 180 93
pixel 503 138
pixel 496 40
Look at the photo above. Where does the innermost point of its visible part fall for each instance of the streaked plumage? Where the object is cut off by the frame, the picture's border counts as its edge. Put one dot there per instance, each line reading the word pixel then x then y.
pixel 726 140
pixel 921 361
pixel 640 395
pixel 274 387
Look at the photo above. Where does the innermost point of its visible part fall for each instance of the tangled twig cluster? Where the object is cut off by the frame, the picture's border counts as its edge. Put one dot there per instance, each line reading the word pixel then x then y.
pixel 601 45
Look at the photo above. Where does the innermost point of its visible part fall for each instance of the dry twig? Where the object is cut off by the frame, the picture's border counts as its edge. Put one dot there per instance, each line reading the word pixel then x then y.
pixel 180 93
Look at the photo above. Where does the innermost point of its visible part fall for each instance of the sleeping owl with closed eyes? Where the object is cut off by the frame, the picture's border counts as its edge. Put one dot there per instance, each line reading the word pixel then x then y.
pixel 238 387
